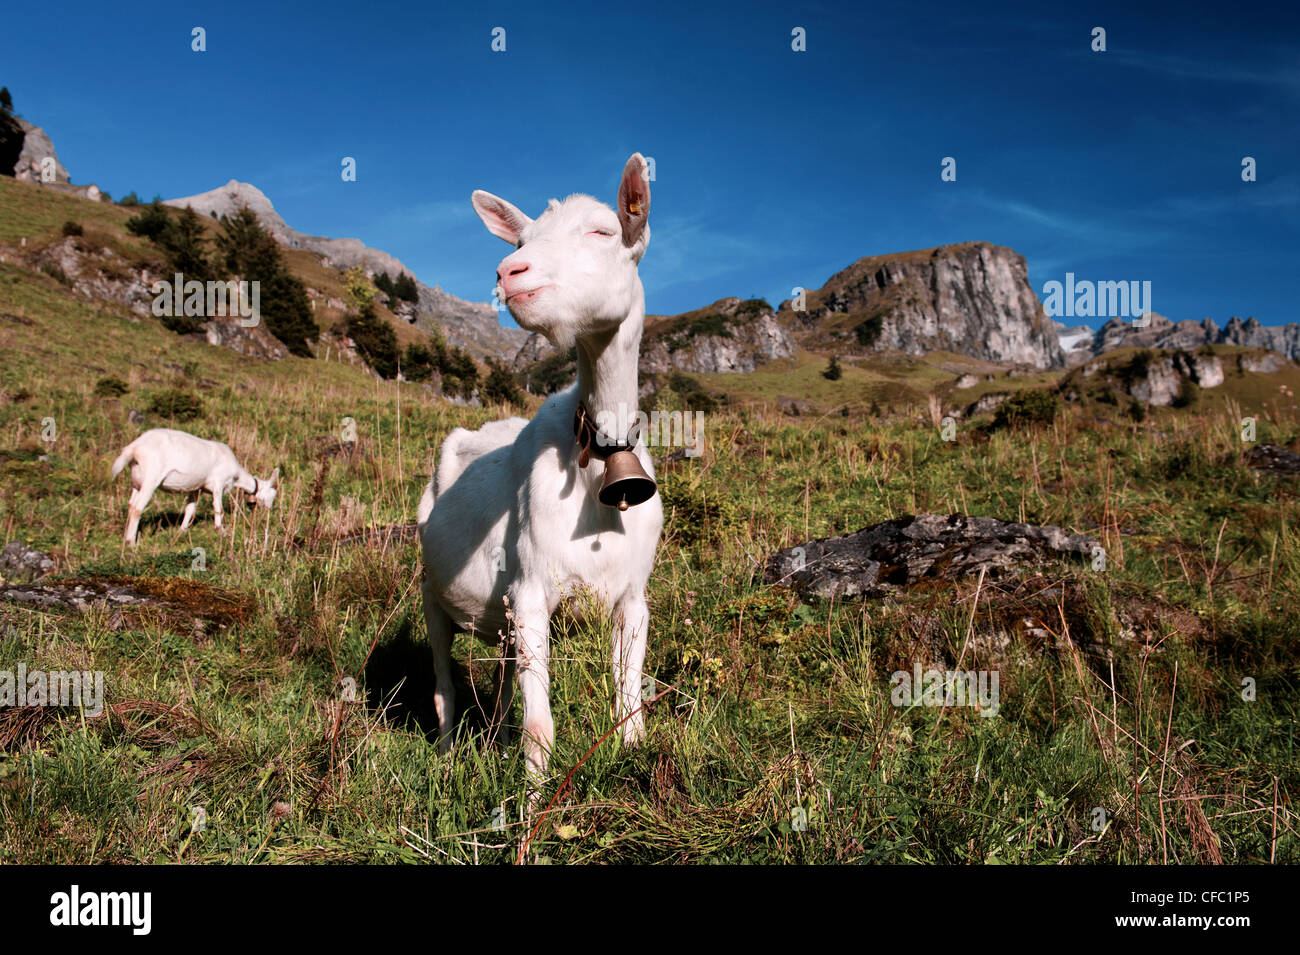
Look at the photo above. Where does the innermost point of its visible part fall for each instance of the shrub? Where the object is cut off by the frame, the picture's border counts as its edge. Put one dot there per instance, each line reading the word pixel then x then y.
pixel 500 386
pixel 130 199
pixel 696 508
pixel 72 227
pixel 56 272
pixel 551 373
pixel 175 403
pixel 868 331
pixel 1028 408
pixel 375 340
pixel 151 222
pixel 693 396
pixel 110 386
pixel 1189 396
pixel 833 372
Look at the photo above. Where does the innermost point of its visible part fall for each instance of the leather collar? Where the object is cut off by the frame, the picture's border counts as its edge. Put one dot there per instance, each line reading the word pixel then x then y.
pixel 593 442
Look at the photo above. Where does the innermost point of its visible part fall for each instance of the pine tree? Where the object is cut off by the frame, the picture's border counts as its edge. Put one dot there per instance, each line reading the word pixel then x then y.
pixel 6 101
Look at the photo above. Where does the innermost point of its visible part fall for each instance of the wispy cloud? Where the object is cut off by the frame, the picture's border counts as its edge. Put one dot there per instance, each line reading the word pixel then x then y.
pixel 1283 78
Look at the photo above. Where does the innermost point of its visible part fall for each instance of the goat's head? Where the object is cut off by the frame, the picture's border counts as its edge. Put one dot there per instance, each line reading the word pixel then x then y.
pixel 265 491
pixel 573 271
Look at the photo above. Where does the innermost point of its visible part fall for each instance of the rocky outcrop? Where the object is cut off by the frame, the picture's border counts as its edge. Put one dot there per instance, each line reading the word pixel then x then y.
pixel 1269 457
pixel 1152 377
pixel 729 336
pixel 1161 332
pixel 973 299
pixel 887 557
pixel 473 326
pixel 21 563
pixel 252 342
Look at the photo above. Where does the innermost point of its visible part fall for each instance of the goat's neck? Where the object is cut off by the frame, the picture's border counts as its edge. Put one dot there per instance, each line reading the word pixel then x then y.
pixel 607 369
pixel 245 481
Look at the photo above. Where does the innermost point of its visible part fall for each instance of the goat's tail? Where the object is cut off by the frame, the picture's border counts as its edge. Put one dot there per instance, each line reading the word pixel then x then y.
pixel 425 508
pixel 123 459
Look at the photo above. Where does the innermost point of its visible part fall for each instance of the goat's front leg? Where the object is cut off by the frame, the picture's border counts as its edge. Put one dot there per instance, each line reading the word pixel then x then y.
pixel 191 506
pixel 217 494
pixel 532 626
pixel 631 628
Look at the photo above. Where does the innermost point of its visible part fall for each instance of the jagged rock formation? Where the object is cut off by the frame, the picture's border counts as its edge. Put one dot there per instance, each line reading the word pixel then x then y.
pixel 24 149
pixel 473 326
pixel 1151 377
pixel 886 557
pixel 1161 332
pixel 728 336
pixel 973 299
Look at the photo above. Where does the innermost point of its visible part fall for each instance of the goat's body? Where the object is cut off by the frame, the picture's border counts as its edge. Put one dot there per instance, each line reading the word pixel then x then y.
pixel 511 523
pixel 484 536
pixel 177 461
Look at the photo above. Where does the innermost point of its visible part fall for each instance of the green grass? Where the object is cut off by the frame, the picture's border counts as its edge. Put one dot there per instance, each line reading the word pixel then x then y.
pixel 1120 688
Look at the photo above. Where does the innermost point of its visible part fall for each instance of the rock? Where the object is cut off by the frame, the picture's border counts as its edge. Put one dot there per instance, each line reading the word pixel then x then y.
pixel 986 403
pixel 1270 457
pixel 1263 363
pixel 966 381
pixel 729 336
pixel 253 341
pixel 35 150
pixel 1162 381
pixel 135 417
pixel 22 563
pixel 1160 332
pixel 884 558
pixel 794 407
pixel 973 299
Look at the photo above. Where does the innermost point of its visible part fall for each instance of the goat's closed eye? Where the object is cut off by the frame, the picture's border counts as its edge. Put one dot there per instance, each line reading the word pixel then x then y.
pixel 599 232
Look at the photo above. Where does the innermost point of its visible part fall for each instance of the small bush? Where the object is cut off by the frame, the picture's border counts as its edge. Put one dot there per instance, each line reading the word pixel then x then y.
pixel 833 372
pixel 1137 411
pixel 175 403
pixel 694 397
pixel 72 227
pixel 868 332
pixel 55 272
pixel 696 509
pixel 375 339
pixel 500 386
pixel 1189 396
pixel 110 386
pixel 1028 408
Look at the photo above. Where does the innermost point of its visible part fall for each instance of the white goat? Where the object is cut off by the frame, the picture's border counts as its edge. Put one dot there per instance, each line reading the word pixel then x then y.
pixel 512 511
pixel 176 461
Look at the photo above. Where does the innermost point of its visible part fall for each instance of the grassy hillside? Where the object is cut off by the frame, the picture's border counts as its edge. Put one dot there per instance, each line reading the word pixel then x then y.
pixel 1121 689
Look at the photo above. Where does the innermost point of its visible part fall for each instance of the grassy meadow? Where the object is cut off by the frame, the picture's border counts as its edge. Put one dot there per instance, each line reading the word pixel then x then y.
pixel 775 740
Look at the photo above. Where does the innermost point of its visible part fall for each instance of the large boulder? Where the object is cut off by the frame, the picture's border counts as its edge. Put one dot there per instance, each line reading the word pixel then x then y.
pixel 887 557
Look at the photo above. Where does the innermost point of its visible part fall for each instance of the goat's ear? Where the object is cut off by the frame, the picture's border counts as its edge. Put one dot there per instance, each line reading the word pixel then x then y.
pixel 634 199
pixel 501 218
pixel 275 478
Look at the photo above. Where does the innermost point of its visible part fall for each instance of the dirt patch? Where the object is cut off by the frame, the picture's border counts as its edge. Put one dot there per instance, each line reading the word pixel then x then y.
pixel 182 604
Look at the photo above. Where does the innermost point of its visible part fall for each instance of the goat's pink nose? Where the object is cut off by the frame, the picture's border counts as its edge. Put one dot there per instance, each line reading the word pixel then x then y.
pixel 511 270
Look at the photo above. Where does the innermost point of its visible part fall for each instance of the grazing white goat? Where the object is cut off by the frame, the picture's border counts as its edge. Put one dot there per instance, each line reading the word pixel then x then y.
pixel 512 519
pixel 176 461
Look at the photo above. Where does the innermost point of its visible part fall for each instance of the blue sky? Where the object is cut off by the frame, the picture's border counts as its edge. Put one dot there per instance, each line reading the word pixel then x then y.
pixel 773 168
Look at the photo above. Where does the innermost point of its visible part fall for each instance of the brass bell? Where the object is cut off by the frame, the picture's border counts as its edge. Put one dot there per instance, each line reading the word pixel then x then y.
pixel 626 484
